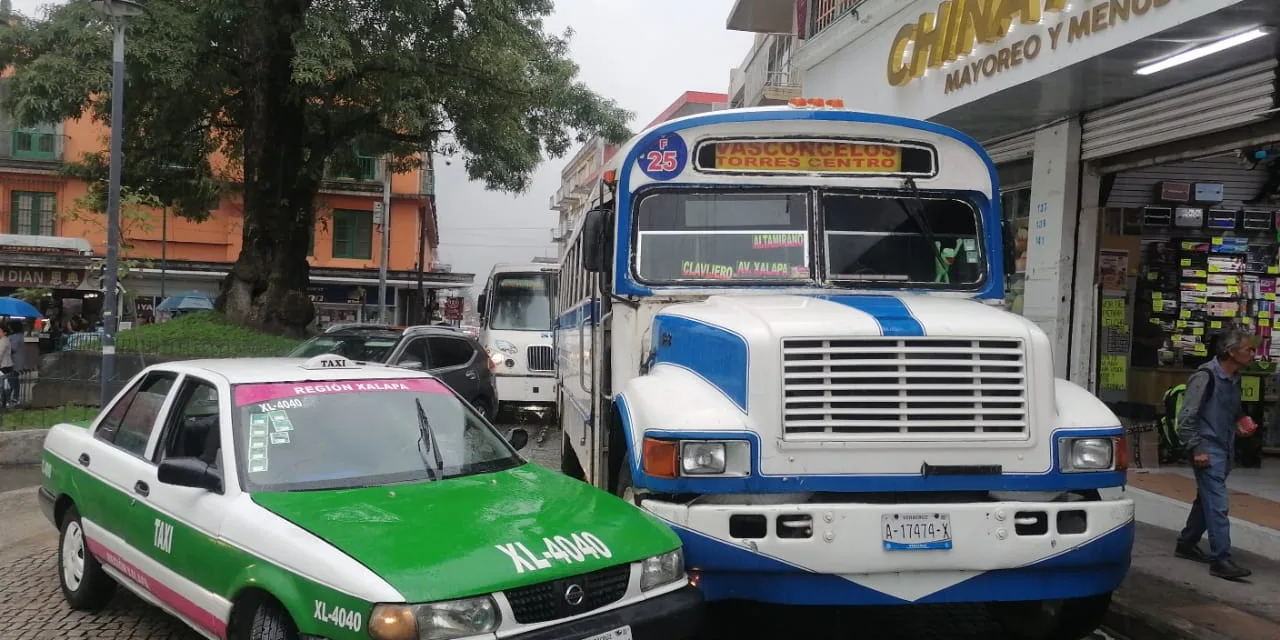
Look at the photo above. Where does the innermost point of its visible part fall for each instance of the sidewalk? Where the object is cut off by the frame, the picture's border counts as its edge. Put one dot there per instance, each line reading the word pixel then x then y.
pixel 1174 599
pixel 1162 497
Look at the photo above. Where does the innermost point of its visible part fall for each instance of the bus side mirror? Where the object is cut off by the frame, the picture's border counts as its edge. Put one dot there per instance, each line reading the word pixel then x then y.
pixel 480 303
pixel 595 241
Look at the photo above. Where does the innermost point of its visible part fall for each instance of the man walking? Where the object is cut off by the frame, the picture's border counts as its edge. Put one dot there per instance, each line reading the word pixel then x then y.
pixel 1207 425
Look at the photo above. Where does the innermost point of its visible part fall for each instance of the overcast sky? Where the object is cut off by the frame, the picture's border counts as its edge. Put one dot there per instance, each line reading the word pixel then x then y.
pixel 642 53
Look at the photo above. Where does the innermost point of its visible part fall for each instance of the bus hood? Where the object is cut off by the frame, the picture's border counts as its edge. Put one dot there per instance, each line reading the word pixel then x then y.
pixel 769 317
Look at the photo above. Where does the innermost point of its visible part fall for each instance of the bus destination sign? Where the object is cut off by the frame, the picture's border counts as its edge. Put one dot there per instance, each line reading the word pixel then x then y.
pixel 814 156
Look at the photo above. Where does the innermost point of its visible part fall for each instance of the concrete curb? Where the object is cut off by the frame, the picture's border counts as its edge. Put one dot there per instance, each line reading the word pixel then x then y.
pixel 21 447
pixel 1134 621
pixel 1168 513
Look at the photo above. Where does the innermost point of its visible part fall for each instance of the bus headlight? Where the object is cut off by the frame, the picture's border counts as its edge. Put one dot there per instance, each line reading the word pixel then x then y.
pixel 434 621
pixel 1088 454
pixel 506 347
pixel 702 458
pixel 656 571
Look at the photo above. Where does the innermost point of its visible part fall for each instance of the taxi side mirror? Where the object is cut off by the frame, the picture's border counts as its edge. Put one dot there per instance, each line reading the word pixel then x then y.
pixel 190 472
pixel 518 438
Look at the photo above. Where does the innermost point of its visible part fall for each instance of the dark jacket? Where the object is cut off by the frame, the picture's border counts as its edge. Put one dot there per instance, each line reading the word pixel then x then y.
pixel 1208 421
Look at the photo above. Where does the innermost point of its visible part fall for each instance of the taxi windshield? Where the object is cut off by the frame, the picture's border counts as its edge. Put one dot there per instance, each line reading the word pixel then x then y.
pixel 305 436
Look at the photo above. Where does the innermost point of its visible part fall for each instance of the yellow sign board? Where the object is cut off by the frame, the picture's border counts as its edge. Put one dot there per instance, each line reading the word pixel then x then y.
pixel 785 156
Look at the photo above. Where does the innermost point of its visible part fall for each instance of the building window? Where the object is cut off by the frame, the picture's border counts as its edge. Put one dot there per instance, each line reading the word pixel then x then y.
pixel 32 213
pixel 34 144
pixel 353 234
pixel 365 169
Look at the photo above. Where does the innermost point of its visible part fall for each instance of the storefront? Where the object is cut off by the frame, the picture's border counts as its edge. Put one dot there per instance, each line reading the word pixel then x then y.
pixel 1069 99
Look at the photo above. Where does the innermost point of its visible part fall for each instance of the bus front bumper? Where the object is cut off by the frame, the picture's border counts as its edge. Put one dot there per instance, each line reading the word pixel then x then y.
pixel 521 390
pixel 840 554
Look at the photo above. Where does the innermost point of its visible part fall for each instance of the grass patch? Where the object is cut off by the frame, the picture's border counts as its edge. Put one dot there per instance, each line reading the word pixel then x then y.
pixel 19 419
pixel 206 334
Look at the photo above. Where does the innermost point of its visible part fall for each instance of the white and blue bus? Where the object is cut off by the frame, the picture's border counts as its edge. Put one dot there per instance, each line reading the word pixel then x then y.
pixel 781 332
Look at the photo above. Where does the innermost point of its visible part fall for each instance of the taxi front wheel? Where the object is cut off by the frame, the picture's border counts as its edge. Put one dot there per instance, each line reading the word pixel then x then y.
pixel 85 586
pixel 270 622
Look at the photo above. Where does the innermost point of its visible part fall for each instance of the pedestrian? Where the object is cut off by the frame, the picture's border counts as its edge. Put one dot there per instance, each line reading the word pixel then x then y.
pixel 1210 419
pixel 18 352
pixel 6 362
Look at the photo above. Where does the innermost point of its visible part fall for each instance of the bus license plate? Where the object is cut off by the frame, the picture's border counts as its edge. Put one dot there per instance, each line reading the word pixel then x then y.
pixel 915 531
pixel 621 633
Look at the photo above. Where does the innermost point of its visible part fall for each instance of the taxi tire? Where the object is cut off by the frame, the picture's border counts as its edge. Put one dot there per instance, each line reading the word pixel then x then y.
pixel 1073 618
pixel 96 588
pixel 271 622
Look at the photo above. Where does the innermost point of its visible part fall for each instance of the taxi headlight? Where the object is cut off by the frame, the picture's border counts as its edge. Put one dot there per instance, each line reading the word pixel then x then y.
pixel 656 571
pixel 435 620
pixel 1087 454
pixel 702 458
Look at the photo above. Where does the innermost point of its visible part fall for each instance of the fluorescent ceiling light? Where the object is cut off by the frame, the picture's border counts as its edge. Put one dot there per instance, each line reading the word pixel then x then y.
pixel 1202 51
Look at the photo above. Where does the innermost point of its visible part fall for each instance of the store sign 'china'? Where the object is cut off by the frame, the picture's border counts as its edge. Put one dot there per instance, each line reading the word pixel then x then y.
pixel 961 26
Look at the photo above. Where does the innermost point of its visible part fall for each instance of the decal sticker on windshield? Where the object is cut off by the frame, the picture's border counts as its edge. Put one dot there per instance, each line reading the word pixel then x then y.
pixel 280 420
pixel 572 549
pixel 257 441
pixel 777 240
pixel 691 269
pixel 280 437
pixel 280 393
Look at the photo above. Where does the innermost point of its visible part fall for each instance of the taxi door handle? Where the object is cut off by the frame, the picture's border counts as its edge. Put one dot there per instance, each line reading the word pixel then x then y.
pixel 84 460
pixel 141 488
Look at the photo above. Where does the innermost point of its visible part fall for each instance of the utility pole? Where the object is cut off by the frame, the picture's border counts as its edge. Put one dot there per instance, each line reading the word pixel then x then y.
pixel 117 11
pixel 386 240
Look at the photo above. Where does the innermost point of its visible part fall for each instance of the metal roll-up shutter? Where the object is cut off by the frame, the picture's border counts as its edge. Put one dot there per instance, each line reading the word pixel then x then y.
pixel 1225 101
pixel 1137 188
pixel 1018 146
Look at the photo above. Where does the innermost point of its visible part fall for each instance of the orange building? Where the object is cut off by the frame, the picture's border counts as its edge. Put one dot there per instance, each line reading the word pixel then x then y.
pixel 48 242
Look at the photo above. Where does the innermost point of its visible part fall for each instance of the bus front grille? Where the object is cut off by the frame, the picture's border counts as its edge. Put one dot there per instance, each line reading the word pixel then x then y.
pixel 541 358
pixel 896 389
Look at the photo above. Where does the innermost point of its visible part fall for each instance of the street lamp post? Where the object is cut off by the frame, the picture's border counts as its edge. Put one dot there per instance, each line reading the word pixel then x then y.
pixel 117 11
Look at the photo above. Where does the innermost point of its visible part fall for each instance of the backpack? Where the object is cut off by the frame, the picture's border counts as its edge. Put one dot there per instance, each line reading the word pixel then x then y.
pixel 1168 425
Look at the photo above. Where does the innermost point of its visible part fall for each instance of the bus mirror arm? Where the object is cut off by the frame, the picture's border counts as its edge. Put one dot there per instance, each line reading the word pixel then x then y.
pixel 1010 248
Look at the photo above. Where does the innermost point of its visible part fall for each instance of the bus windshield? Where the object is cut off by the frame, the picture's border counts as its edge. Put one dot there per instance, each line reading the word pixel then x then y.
pixel 703 237
pixel 520 302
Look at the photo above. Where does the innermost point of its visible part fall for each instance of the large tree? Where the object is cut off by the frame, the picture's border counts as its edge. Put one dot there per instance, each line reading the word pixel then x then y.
pixel 284 88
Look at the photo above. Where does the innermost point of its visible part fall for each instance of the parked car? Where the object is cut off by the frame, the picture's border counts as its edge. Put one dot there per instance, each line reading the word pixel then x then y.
pixel 280 499
pixel 451 355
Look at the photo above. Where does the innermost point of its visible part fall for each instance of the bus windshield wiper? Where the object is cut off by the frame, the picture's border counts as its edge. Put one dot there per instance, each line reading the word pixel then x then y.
pixel 427 437
pixel 917 216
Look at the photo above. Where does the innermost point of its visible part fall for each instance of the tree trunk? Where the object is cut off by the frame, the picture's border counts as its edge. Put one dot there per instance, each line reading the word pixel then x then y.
pixel 267 287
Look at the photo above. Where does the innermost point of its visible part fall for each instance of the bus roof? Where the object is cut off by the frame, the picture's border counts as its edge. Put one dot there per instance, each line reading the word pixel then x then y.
pixel 962 162
pixel 525 267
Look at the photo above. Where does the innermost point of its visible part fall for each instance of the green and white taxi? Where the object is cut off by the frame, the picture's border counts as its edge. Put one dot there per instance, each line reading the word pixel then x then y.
pixel 272 499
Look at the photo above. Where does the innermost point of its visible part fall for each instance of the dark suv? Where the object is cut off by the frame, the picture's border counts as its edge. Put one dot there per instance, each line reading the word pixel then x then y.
pixel 453 356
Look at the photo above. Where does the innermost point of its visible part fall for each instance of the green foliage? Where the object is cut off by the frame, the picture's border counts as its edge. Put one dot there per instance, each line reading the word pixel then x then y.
pixel 19 419
pixel 204 334
pixel 477 79
pixel 30 295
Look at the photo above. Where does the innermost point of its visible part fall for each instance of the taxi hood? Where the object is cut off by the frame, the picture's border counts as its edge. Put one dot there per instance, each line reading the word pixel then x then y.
pixel 459 537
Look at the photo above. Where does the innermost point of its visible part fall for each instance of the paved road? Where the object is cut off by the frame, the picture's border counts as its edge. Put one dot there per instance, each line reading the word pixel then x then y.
pixel 31 605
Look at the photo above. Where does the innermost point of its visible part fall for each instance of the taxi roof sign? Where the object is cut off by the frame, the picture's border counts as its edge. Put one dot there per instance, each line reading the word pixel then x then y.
pixel 329 361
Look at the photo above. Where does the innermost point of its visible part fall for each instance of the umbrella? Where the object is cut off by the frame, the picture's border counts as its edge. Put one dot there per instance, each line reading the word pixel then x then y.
pixel 186 301
pixel 16 308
